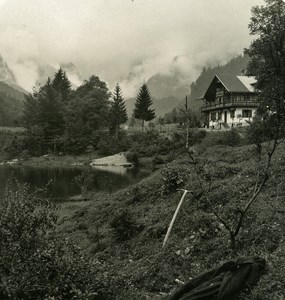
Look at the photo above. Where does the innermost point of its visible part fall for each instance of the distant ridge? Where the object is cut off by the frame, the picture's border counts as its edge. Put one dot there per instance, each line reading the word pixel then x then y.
pixel 11 105
pixel 11 91
pixel 6 74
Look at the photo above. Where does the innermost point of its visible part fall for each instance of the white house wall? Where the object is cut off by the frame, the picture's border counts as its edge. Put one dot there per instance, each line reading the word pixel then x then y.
pixel 236 121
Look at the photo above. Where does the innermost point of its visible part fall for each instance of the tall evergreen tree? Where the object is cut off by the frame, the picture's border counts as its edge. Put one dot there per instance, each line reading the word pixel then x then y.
pixel 61 85
pixel 142 109
pixel 118 112
pixel 50 113
pixel 43 116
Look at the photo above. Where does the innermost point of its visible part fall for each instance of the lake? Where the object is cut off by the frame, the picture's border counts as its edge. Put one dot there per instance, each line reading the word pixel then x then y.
pixel 62 184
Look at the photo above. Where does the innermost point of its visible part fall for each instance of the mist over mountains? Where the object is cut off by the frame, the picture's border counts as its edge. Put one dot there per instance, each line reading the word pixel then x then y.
pixel 42 70
pixel 6 74
pixel 168 90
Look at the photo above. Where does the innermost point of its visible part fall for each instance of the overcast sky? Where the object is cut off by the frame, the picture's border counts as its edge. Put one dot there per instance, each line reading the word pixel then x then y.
pixel 122 40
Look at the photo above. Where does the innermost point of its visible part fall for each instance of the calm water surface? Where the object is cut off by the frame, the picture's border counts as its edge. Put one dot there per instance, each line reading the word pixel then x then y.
pixel 62 185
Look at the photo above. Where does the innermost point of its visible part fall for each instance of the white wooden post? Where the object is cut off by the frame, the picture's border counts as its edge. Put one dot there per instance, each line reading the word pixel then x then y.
pixel 174 216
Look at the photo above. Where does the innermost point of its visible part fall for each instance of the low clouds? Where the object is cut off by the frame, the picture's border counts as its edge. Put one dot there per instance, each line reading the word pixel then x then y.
pixel 126 41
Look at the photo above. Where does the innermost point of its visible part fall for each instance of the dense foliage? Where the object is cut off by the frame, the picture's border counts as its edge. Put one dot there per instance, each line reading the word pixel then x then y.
pixel 59 119
pixel 86 114
pixel 267 62
pixel 35 262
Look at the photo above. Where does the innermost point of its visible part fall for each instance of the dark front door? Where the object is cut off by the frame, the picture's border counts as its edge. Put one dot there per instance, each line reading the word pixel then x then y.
pixel 226 117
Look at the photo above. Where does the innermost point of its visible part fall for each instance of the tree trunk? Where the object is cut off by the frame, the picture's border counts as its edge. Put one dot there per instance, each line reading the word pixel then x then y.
pixel 117 132
pixel 142 125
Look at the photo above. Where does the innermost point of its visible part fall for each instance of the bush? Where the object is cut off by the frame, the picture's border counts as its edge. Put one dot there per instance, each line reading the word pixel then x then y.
pixel 173 179
pixel 136 196
pixel 25 155
pixel 124 225
pixel 79 144
pixel 151 143
pixel 230 138
pixel 195 136
pixel 14 147
pixel 35 262
pixel 133 158
pixel 157 160
pixel 109 145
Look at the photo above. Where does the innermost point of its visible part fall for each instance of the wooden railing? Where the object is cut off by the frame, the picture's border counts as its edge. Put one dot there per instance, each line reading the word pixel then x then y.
pixel 228 104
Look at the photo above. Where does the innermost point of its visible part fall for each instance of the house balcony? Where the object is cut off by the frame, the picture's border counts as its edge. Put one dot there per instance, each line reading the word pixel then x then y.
pixel 229 105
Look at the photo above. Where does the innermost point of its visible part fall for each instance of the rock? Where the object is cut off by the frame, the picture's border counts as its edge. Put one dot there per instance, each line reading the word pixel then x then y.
pixel 113 160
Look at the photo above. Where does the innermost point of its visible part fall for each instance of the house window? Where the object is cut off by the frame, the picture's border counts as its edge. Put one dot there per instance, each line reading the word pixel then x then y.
pixel 219 115
pixel 240 98
pixel 247 113
pixel 213 116
pixel 232 112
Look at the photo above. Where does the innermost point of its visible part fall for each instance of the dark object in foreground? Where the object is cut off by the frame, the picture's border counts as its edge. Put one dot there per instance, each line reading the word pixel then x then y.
pixel 224 282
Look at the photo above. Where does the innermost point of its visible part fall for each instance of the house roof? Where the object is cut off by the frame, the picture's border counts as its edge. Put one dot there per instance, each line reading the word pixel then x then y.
pixel 248 81
pixel 239 84
pixel 232 83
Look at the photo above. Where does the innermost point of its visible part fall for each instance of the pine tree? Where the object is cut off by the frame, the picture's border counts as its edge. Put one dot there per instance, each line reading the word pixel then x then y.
pixel 142 109
pixel 61 85
pixel 118 112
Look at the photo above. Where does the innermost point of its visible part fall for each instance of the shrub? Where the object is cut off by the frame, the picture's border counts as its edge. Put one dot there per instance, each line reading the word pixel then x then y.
pixel 79 144
pixel 25 155
pixel 110 145
pixel 151 143
pixel 124 225
pixel 14 148
pixel 173 179
pixel 195 136
pixel 157 160
pixel 230 138
pixel 263 128
pixel 133 158
pixel 35 262
pixel 136 195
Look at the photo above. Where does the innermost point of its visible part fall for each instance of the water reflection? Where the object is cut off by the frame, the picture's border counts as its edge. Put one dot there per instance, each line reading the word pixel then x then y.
pixel 62 184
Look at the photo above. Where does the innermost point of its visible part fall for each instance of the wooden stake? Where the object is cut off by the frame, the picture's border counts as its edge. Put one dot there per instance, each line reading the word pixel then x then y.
pixel 174 216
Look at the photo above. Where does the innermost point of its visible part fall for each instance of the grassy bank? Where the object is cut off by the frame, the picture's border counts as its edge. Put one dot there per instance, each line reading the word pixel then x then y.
pixel 125 230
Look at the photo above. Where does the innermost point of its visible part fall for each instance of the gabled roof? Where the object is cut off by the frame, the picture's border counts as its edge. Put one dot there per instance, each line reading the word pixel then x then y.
pixel 248 81
pixel 232 83
pixel 239 84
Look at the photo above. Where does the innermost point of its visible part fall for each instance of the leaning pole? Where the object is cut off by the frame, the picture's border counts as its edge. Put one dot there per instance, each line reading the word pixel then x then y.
pixel 175 216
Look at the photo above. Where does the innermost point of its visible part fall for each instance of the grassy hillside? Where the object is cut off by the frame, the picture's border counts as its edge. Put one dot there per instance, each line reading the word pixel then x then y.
pixel 125 230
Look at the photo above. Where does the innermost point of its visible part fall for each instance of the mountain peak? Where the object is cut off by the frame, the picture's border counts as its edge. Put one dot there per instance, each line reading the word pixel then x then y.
pixel 6 74
pixel 162 86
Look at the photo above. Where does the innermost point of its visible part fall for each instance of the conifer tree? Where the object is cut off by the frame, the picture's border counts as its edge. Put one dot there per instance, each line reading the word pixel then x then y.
pixel 118 112
pixel 142 109
pixel 43 113
pixel 61 85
